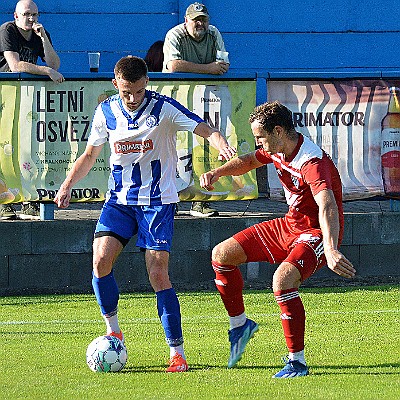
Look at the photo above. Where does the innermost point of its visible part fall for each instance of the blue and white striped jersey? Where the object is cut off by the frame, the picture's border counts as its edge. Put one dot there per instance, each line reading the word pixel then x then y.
pixel 143 156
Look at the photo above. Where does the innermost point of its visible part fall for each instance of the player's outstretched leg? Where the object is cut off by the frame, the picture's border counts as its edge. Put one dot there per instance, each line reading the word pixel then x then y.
pixel 229 282
pixel 238 338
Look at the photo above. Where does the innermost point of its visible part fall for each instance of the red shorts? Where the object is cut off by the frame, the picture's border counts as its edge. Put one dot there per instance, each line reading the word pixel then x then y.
pixel 275 241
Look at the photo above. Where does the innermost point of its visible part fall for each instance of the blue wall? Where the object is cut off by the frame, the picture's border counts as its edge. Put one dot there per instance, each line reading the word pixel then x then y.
pixel 261 35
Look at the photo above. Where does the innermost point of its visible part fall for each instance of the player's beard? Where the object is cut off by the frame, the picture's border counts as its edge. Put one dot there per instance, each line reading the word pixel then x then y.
pixel 132 106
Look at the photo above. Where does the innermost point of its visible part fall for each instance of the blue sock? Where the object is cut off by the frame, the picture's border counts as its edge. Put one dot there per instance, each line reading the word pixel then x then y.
pixel 107 294
pixel 170 315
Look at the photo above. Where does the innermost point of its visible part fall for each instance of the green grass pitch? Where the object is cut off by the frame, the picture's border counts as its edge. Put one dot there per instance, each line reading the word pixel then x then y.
pixel 352 348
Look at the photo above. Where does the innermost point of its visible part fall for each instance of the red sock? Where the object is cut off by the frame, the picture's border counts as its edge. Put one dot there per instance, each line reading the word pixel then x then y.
pixel 229 282
pixel 293 318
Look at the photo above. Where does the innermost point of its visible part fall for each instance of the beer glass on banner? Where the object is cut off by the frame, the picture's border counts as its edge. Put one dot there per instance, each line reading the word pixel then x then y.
pixel 94 61
pixel 390 145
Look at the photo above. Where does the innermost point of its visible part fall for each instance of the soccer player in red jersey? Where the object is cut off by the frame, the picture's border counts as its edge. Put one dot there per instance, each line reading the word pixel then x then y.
pixel 303 241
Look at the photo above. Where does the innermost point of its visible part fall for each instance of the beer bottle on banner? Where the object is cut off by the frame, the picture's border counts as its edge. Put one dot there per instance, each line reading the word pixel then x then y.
pixel 390 145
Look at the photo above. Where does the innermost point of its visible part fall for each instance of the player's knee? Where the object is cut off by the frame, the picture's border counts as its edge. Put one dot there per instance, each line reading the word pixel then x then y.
pixel 101 267
pixel 216 253
pixel 286 276
pixel 221 253
pixel 156 275
pixel 159 278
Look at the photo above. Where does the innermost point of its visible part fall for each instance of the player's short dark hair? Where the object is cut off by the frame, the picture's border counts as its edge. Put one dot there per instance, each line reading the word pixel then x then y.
pixel 130 68
pixel 271 114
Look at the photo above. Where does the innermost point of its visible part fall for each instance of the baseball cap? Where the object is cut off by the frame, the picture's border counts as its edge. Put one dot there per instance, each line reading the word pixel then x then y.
pixel 196 10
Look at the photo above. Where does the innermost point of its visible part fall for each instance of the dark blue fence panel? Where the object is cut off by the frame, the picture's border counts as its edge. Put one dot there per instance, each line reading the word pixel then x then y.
pixel 262 34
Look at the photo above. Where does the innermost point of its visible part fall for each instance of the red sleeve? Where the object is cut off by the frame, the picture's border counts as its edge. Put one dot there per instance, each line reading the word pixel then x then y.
pixel 318 174
pixel 263 156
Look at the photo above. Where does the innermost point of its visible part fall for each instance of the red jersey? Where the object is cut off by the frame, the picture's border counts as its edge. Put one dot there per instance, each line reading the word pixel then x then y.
pixel 304 174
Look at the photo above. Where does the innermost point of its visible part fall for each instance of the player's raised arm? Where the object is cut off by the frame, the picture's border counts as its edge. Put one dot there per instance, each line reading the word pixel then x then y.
pixel 216 139
pixel 80 169
pixel 236 166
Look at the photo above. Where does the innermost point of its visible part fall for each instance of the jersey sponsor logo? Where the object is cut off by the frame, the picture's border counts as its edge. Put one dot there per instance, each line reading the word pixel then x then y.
pixel 133 147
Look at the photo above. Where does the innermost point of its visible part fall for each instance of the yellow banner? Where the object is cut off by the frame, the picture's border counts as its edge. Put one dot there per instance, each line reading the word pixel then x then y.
pixel 44 127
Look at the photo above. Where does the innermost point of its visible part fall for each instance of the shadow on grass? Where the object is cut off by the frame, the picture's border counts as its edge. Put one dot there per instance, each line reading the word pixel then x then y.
pixel 348 289
pixel 41 333
pixel 338 369
pixel 355 369
pixel 314 370
pixel 163 367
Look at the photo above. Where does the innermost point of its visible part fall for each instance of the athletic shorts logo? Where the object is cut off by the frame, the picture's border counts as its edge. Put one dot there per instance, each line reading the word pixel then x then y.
pixel 133 147
pixel 308 238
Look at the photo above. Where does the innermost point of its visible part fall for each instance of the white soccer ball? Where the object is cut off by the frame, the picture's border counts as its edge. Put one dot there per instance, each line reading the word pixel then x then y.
pixel 106 354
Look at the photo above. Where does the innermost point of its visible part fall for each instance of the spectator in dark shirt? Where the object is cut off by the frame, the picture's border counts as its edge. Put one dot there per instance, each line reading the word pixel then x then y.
pixel 22 42
pixel 155 57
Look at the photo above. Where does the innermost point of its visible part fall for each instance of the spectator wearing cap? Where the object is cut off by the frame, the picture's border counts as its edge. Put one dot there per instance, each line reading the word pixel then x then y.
pixel 192 47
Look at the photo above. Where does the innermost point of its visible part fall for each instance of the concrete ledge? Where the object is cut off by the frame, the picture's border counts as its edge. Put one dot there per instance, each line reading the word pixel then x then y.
pixel 55 256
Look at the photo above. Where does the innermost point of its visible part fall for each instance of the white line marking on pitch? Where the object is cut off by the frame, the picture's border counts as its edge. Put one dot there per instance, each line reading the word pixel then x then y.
pixel 185 319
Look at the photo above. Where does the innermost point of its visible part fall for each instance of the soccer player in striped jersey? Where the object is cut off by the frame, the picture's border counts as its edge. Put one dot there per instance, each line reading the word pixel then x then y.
pixel 306 239
pixel 140 127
